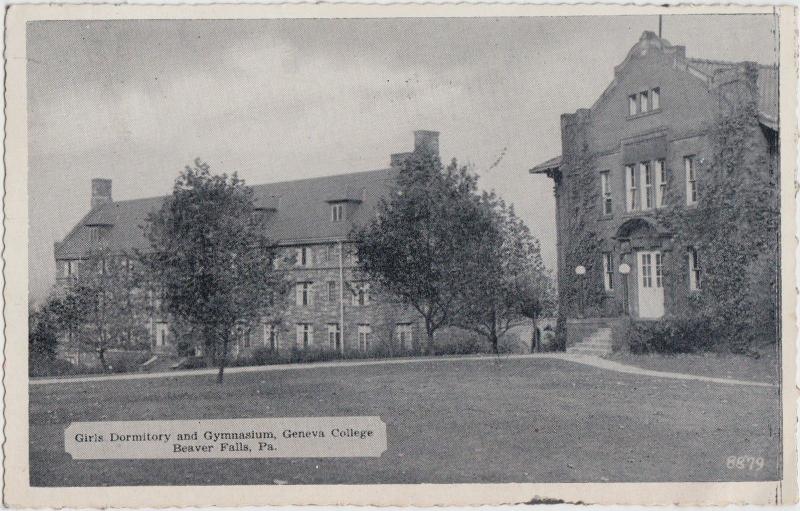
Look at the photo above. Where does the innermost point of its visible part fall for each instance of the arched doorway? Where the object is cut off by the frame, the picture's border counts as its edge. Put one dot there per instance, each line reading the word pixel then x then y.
pixel 642 246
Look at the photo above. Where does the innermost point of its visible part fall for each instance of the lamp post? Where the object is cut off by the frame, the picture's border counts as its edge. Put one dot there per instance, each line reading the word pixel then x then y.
pixel 625 269
pixel 580 271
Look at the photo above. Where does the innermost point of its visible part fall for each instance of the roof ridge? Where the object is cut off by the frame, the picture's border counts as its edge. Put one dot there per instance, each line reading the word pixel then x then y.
pixel 285 181
pixel 727 62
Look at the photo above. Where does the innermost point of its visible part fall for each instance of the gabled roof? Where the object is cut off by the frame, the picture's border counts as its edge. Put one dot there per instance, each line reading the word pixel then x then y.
pixel 301 212
pixel 767 83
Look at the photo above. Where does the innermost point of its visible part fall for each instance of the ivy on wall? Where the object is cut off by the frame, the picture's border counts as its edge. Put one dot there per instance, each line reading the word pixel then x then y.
pixel 735 230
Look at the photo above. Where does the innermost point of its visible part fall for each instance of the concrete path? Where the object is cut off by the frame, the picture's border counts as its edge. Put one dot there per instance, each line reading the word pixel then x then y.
pixel 597 362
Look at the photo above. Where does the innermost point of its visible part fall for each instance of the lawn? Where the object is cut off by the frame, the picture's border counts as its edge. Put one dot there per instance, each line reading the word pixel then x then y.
pixel 524 420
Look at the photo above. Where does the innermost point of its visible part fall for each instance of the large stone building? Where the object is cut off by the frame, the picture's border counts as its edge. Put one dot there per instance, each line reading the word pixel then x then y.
pixel 636 150
pixel 310 221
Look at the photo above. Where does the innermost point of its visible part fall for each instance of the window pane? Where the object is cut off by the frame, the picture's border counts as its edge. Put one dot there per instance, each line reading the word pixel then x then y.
pixel 655 98
pixel 643 101
pixel 632 105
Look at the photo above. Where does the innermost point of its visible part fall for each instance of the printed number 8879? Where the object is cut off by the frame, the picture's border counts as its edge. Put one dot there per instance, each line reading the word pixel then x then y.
pixel 745 463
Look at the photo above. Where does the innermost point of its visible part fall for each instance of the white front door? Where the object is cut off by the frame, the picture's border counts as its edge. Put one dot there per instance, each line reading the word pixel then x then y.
pixel 651 285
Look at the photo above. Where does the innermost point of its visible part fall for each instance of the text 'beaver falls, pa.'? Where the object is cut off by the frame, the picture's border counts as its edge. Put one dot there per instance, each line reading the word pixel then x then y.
pixel 295 437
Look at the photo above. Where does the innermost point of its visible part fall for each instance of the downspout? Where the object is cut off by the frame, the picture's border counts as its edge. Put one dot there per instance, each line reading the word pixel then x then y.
pixel 341 295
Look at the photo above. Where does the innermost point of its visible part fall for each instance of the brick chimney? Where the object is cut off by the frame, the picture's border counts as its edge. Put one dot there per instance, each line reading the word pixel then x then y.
pixel 101 192
pixel 426 142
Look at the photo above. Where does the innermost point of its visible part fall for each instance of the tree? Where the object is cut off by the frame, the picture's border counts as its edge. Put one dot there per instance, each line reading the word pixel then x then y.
pixel 421 244
pixel 538 297
pixel 106 306
pixel 211 258
pixel 43 334
pixel 510 281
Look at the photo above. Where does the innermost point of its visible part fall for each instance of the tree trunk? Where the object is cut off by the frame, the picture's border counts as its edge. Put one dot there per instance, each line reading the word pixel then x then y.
pixel 535 347
pixel 429 331
pixel 101 355
pixel 495 342
pixel 222 360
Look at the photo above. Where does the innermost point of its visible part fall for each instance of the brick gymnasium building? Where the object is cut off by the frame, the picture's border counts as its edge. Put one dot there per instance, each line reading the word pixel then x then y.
pixel 644 139
pixel 310 220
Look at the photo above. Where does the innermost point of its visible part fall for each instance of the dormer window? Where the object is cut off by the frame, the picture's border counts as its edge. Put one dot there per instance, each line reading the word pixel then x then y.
pixel 337 212
pixel 644 101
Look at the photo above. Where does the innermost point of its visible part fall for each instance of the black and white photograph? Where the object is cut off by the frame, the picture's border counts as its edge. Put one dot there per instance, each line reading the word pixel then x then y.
pixel 406 250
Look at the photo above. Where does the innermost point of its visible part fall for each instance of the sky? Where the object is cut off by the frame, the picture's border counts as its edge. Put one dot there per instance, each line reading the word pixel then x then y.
pixel 135 101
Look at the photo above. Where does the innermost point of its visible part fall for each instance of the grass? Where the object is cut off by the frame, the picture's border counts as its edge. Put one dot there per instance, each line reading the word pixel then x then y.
pixel 529 420
pixel 720 365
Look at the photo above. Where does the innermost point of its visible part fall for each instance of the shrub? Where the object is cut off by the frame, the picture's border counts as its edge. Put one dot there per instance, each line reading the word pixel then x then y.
pixel 671 335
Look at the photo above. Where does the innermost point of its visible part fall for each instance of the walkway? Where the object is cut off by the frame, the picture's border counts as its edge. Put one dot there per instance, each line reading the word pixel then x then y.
pixel 597 362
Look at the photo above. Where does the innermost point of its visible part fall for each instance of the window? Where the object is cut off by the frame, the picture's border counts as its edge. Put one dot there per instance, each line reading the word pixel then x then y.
pixel 304 257
pixel 659 269
pixel 608 271
pixel 335 336
pixel 332 295
pixel 661 181
pixel 694 270
pixel 630 185
pixel 644 101
pixel 337 212
pixel 648 197
pixel 271 336
pixel 405 337
pixel 691 183
pixel 303 293
pixel 361 295
pixel 647 270
pixel 305 334
pixel 245 337
pixel 605 190
pixel 364 337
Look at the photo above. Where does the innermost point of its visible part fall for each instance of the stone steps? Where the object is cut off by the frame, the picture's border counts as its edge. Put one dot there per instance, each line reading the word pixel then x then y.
pixel 597 344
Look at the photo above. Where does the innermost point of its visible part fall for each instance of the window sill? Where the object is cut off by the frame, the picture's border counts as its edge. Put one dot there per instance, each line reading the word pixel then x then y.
pixel 605 217
pixel 644 114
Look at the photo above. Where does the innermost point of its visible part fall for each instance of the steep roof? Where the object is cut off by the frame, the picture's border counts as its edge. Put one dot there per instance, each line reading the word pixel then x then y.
pixel 300 214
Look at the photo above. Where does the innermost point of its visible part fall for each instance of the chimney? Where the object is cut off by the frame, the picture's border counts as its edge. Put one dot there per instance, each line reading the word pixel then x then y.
pixel 101 192
pixel 426 142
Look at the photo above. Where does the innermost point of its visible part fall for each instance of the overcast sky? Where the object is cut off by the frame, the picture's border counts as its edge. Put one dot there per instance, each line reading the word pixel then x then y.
pixel 134 101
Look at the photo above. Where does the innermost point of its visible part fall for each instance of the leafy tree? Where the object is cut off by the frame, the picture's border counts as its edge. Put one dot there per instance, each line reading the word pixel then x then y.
pixel 422 243
pixel 509 282
pixel 538 296
pixel 106 306
pixel 43 334
pixel 211 258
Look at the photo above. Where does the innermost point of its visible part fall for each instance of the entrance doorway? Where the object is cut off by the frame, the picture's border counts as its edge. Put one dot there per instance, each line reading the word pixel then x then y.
pixel 651 284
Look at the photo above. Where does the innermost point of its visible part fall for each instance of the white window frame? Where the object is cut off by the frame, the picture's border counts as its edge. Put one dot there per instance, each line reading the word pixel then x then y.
pixel 605 191
pixel 405 335
pixel 334 335
pixel 337 212
pixel 304 257
pixel 643 101
pixel 655 98
pixel 608 271
pixel 660 174
pixel 305 335
pixel 633 104
pixel 332 291
pixel 690 171
pixel 631 193
pixel 360 296
pixel 695 275
pixel 271 336
pixel 303 294
pixel 647 270
pixel 364 338
pixel 648 190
